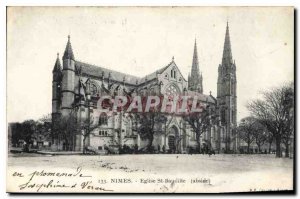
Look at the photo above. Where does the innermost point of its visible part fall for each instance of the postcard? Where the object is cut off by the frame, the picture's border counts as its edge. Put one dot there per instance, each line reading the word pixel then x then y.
pixel 150 99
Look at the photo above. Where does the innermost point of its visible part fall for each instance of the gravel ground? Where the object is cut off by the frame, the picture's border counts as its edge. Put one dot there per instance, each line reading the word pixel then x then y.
pixel 227 172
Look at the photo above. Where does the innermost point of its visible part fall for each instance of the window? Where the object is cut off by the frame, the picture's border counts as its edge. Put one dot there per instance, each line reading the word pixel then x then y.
pixel 103 133
pixel 99 147
pixel 103 119
pixel 171 90
pixel 223 119
pixel 173 73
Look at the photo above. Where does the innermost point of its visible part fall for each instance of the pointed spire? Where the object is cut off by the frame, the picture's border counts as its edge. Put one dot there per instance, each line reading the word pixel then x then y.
pixel 227 55
pixel 57 65
pixel 68 54
pixel 195 64
pixel 194 78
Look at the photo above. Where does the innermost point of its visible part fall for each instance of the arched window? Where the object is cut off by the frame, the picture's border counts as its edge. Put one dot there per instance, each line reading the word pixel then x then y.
pixel 173 73
pixel 103 119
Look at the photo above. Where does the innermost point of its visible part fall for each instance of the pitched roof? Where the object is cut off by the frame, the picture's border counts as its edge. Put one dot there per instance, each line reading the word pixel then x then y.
pixel 154 74
pixel 201 97
pixel 97 71
pixel 92 70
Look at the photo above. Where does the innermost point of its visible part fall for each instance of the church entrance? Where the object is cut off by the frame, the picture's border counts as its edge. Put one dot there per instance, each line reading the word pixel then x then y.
pixel 173 140
pixel 172 146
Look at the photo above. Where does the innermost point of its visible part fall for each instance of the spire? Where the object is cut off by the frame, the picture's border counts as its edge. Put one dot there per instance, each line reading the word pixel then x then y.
pixel 68 54
pixel 227 55
pixel 57 65
pixel 195 64
pixel 194 79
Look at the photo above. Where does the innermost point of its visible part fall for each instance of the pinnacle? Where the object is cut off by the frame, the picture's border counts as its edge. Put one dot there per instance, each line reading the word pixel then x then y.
pixel 68 54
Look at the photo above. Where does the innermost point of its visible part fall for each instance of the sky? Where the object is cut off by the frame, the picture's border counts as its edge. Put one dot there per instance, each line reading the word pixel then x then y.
pixel 140 40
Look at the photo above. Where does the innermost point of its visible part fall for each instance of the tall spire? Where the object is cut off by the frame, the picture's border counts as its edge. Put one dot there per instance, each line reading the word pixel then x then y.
pixel 195 80
pixel 57 65
pixel 68 54
pixel 195 64
pixel 227 55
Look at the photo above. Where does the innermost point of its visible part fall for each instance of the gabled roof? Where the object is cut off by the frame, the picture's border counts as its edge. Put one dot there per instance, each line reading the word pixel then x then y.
pixel 97 71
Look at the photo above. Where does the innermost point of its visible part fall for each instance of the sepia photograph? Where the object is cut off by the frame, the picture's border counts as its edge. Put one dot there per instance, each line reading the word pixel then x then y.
pixel 150 99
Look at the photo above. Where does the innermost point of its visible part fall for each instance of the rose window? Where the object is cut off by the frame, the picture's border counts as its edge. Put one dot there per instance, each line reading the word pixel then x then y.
pixel 171 90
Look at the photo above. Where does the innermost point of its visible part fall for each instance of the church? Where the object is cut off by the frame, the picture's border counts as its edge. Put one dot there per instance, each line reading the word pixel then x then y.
pixel 73 79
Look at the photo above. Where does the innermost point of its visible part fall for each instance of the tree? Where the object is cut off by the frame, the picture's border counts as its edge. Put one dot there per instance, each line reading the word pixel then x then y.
pixel 88 126
pixel 259 134
pixel 270 140
pixel 199 122
pixel 16 131
pixel 148 126
pixel 68 127
pixel 289 112
pixel 275 111
pixel 246 131
pixel 43 128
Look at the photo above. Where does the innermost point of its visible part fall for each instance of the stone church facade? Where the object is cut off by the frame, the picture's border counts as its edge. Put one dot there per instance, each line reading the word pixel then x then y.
pixel 72 78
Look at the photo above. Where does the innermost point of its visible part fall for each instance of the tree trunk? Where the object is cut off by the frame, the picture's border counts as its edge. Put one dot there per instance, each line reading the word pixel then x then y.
pixel 278 147
pixel 248 147
pixel 198 143
pixel 258 146
pixel 287 151
pixel 150 140
pixel 270 146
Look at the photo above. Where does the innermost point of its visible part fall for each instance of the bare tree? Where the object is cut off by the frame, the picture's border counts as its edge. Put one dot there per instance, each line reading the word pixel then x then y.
pixel 148 126
pixel 290 115
pixel 273 112
pixel 259 134
pixel 246 131
pixel 199 122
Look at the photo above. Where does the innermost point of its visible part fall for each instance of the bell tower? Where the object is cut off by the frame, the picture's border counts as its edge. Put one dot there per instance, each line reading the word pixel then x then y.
pixel 68 80
pixel 56 95
pixel 226 95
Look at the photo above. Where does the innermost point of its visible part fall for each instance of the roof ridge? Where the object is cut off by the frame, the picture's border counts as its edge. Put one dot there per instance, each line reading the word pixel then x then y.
pixel 105 68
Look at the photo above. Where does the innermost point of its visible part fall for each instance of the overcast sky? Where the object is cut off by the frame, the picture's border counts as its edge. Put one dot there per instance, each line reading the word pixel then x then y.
pixel 140 40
